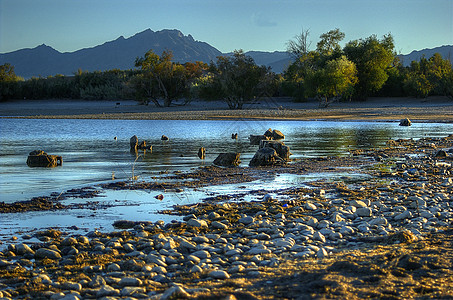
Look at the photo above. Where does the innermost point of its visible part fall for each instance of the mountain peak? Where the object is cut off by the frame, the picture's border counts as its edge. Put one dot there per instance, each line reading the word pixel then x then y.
pixel 115 54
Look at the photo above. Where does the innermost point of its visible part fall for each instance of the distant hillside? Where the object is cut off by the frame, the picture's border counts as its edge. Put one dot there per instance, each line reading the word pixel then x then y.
pixel 121 53
pixel 118 54
pixel 445 51
pixel 277 60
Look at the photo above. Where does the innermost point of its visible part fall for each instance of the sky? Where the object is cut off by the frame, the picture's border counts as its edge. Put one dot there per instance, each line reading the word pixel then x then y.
pixel 261 25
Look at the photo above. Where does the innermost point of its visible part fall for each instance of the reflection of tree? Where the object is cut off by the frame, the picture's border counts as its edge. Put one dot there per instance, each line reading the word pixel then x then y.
pixel 337 141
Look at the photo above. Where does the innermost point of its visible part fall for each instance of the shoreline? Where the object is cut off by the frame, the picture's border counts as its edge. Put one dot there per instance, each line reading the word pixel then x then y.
pixel 385 237
pixel 434 109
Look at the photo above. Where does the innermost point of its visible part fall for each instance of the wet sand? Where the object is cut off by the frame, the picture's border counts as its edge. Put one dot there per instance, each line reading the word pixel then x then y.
pixel 433 109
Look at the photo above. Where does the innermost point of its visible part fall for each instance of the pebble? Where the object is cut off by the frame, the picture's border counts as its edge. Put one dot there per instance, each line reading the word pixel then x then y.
pixel 219 274
pixel 254 239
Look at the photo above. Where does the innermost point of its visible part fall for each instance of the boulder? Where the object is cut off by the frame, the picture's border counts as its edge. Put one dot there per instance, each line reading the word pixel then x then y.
pixel 277 135
pixel 266 156
pixel 280 147
pixel 268 133
pixel 256 139
pixel 202 153
pixel 405 122
pixel 39 158
pixel 441 154
pixel 133 142
pixel 228 159
pixel 137 145
pixel 274 134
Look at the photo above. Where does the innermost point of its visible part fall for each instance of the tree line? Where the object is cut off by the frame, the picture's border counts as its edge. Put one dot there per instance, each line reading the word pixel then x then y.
pixel 362 68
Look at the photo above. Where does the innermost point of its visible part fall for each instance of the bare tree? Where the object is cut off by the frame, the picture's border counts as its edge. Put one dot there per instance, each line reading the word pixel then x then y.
pixel 300 45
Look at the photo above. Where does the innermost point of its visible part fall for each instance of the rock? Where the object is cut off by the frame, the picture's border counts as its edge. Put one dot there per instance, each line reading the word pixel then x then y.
pixel 277 135
pixel 132 290
pixel 310 206
pixel 357 203
pixel 228 160
pixel 281 149
pixel 379 221
pixel 73 286
pixel 404 215
pixel 405 122
pixel 39 158
pixel 107 290
pixel 196 269
pixel 187 245
pixel 219 225
pixel 133 142
pixel 256 139
pixel 202 153
pixel 441 153
pixel 97 281
pixel 130 281
pixel 22 249
pixel 268 133
pixel 197 223
pixel 322 253
pixel 219 274
pixel 265 157
pixel 202 254
pixel 364 212
pixel 246 220
pixel 47 253
pixel 175 292
pixel 318 236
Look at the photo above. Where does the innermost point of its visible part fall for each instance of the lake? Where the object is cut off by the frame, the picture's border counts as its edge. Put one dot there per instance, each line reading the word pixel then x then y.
pixel 91 155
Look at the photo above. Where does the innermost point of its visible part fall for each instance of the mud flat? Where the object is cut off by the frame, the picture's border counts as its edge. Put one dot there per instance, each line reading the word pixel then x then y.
pixel 432 109
pixel 388 236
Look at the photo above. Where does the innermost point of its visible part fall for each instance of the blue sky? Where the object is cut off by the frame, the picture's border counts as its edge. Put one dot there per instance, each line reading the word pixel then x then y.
pixel 69 25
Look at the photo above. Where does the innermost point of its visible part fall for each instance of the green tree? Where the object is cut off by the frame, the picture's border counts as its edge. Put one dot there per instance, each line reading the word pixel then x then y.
pixel 8 82
pixel 333 81
pixel 325 74
pixel 433 76
pixel 329 43
pixel 373 57
pixel 237 80
pixel 160 78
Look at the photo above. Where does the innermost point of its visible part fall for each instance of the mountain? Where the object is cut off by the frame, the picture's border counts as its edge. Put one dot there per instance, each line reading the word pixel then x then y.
pixel 118 54
pixel 122 52
pixel 277 60
pixel 445 51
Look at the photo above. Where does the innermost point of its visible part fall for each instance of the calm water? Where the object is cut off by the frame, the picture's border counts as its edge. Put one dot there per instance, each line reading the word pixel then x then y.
pixel 91 155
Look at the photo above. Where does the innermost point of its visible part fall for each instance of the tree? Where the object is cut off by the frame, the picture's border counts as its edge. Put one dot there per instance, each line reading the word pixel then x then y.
pixel 329 43
pixel 160 78
pixel 430 76
pixel 325 74
pixel 237 80
pixel 332 82
pixel 8 82
pixel 372 58
pixel 300 45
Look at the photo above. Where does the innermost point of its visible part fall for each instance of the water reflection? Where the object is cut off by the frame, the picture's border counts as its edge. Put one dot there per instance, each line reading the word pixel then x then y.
pixel 91 154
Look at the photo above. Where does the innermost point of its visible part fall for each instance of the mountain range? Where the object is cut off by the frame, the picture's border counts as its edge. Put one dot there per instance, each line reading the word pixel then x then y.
pixel 121 53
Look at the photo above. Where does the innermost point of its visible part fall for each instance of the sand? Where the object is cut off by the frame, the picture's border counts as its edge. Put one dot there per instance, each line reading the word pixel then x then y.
pixel 432 109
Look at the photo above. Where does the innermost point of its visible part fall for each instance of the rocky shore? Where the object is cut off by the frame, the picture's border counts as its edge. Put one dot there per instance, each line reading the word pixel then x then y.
pixel 386 236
